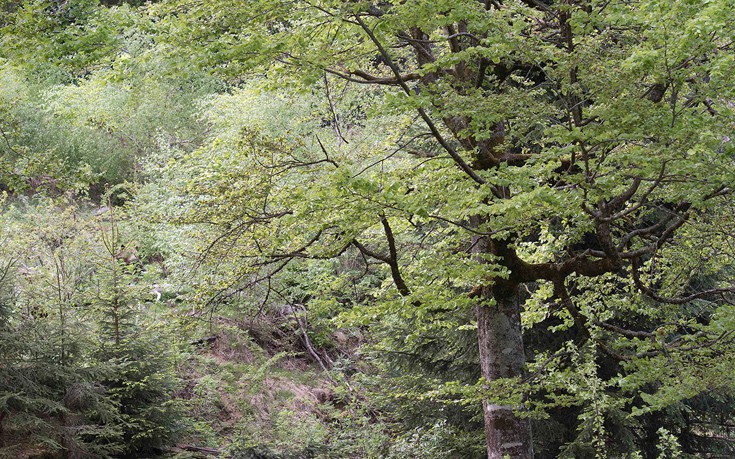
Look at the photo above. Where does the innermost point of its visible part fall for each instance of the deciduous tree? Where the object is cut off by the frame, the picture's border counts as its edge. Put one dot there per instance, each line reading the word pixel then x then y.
pixel 546 163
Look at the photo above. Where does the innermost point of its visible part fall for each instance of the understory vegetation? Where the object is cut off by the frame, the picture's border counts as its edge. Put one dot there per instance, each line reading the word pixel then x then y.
pixel 352 229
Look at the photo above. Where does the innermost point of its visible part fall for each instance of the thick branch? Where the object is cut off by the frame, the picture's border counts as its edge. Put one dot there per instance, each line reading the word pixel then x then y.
pixel 366 78
pixel 367 252
pixel 582 264
pixel 394 270
pixel 391 259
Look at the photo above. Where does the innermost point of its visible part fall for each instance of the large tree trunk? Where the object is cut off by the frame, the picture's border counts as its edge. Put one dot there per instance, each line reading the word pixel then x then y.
pixel 502 356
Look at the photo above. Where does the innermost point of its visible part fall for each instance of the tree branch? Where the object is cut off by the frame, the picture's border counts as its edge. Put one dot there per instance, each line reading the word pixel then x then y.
pixel 649 292
pixel 424 116
pixel 366 78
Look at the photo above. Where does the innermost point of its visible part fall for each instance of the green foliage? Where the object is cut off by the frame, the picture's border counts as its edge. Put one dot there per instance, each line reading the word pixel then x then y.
pixel 49 388
pixel 506 134
pixel 579 152
pixel 76 35
pixel 62 388
pixel 91 101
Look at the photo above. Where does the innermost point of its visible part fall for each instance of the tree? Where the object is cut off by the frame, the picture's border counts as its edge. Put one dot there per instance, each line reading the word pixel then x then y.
pixel 565 152
pixel 83 373
pixel 141 379
pixel 49 387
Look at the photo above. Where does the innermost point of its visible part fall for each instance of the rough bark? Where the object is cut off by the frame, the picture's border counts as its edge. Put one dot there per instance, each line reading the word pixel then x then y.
pixel 500 341
pixel 502 356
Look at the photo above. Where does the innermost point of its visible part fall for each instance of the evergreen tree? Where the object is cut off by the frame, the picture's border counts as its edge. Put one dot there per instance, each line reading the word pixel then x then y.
pixel 142 379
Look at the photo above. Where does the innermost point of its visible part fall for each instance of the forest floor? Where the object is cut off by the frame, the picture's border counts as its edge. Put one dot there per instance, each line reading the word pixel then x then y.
pixel 254 388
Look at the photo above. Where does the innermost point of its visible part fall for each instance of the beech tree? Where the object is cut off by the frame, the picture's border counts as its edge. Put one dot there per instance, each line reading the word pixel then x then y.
pixel 553 165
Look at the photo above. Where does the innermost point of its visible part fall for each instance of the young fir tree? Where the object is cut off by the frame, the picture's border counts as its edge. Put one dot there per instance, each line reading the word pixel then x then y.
pixel 142 378
pixel 49 386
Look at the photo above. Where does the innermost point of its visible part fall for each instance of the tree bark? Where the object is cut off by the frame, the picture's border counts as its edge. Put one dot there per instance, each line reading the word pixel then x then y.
pixel 500 341
pixel 502 356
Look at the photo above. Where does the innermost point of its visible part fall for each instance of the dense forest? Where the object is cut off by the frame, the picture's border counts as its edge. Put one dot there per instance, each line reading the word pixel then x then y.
pixel 367 229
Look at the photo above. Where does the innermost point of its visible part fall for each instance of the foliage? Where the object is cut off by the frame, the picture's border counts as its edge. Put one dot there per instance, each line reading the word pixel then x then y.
pixel 64 390
pixel 562 153
pixel 423 177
